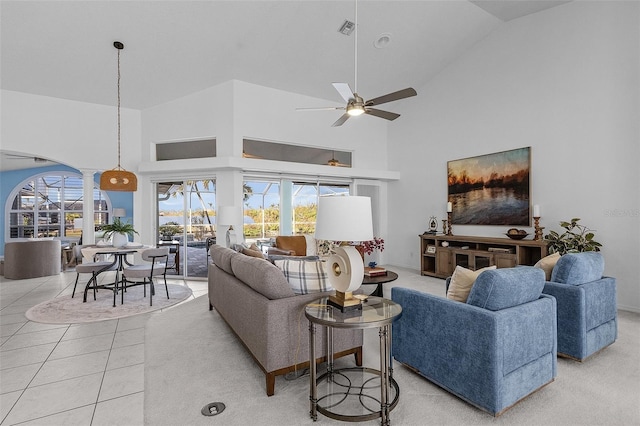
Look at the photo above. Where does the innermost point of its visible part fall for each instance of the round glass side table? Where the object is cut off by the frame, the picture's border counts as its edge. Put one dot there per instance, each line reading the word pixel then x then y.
pixel 357 393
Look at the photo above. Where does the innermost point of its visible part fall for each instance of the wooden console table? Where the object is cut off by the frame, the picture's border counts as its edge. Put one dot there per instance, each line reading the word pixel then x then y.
pixel 475 252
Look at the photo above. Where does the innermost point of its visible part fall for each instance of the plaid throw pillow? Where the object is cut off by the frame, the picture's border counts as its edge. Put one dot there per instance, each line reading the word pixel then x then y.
pixel 304 276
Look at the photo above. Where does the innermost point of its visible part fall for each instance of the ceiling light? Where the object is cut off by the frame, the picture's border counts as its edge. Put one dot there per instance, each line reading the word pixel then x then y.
pixel 118 179
pixel 355 110
pixel 383 41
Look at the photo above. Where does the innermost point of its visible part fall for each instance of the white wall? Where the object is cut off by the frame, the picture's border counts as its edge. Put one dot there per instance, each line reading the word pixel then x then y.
pixel 78 134
pixel 236 110
pixel 565 82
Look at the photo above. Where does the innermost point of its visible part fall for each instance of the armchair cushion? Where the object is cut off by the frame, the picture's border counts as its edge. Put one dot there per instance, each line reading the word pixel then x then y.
pixel 578 268
pixel 503 288
pixel 295 243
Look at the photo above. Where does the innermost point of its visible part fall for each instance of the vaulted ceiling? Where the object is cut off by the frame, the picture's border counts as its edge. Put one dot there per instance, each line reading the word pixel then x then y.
pixel 173 48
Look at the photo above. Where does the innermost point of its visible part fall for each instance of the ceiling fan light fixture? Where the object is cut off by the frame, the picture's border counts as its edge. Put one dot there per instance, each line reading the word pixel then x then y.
pixel 355 110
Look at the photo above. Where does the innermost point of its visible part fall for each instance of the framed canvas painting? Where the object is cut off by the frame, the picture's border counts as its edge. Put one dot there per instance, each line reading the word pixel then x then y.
pixel 491 189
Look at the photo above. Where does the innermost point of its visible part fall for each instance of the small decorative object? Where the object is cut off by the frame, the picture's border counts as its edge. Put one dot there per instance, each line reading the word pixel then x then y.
pixel 368 247
pixel 119 230
pixel 577 238
pixel 517 234
pixel 445 244
pixel 431 249
pixel 444 226
pixel 449 222
pixel 372 264
pixel 433 225
pixel 536 223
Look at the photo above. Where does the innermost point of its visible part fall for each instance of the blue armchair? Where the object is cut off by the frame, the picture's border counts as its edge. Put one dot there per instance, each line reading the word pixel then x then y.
pixel 587 309
pixel 492 351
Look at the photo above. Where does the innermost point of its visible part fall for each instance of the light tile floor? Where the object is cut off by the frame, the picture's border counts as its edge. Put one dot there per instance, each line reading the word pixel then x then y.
pixel 70 374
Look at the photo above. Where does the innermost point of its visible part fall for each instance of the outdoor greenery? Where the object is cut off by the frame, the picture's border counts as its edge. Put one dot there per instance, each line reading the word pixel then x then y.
pixel 170 229
pixel 576 238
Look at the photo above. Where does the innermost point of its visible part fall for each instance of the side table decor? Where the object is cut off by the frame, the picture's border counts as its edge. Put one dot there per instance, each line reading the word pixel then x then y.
pixel 357 393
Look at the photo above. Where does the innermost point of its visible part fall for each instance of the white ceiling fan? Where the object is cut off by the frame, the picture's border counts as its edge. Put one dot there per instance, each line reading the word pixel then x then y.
pixel 356 105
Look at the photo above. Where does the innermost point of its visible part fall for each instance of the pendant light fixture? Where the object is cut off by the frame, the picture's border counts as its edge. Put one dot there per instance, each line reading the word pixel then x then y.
pixel 118 179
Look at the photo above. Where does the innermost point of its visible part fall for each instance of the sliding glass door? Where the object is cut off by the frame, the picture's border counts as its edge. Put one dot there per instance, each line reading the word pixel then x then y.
pixel 186 224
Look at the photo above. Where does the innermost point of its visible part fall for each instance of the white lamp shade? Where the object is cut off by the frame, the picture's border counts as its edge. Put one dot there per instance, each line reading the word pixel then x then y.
pixel 344 218
pixel 119 212
pixel 227 215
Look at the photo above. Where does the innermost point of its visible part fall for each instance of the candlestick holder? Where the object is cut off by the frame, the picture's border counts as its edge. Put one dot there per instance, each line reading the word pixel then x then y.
pixel 449 224
pixel 444 226
pixel 538 228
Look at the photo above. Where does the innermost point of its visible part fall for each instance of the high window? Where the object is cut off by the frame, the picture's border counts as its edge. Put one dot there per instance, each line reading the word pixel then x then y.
pixel 50 205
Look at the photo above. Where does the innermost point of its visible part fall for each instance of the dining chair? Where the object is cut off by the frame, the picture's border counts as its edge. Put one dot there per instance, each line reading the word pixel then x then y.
pixel 94 268
pixel 155 266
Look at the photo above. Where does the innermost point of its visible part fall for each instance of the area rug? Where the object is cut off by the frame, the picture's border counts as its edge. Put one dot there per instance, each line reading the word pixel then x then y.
pixel 67 310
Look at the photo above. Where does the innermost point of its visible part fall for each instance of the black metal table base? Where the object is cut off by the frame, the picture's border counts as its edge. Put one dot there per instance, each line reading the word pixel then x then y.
pixel 343 390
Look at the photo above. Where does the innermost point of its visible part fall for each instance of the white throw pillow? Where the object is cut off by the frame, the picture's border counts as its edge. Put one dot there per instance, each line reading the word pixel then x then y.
pixel 304 276
pixel 312 249
pixel 461 282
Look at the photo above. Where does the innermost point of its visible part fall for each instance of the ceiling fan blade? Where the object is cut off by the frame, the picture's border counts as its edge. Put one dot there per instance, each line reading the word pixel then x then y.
pixel 340 121
pixel 390 97
pixel 320 109
pixel 382 114
pixel 344 90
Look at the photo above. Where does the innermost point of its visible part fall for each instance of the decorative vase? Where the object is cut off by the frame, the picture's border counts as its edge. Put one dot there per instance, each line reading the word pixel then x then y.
pixel 119 240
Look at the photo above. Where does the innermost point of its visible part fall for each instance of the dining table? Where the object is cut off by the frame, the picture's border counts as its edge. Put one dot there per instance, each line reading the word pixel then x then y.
pixel 118 256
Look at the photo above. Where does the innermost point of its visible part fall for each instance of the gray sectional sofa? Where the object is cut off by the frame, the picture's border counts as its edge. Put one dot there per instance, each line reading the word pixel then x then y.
pixel 256 301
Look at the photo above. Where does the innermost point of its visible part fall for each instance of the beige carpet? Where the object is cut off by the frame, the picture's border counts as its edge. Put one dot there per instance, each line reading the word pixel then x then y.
pixel 192 358
pixel 67 310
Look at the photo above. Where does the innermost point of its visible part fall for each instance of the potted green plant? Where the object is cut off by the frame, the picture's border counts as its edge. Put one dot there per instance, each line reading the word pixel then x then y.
pixel 120 231
pixel 576 238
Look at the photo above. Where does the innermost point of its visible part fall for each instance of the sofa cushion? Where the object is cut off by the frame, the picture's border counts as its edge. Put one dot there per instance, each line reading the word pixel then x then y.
pixel 305 276
pixel 547 263
pixel 503 288
pixel 578 268
pixel 261 276
pixel 221 257
pixel 253 253
pixel 461 282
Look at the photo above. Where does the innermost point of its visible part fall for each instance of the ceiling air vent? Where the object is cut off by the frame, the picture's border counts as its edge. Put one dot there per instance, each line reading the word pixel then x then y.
pixel 347 28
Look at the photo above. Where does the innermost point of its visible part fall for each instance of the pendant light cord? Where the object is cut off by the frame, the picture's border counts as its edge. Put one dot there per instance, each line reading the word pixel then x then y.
pixel 119 168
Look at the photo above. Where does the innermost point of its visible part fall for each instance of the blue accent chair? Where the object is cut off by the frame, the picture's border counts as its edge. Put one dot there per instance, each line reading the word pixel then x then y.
pixel 492 351
pixel 587 309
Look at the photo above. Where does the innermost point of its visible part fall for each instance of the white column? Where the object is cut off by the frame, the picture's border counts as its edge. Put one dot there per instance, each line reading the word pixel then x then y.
pixel 88 228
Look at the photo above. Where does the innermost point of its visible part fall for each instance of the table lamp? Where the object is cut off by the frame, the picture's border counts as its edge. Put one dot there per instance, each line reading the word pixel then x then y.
pixel 119 212
pixel 342 218
pixel 226 216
